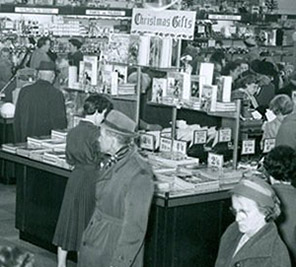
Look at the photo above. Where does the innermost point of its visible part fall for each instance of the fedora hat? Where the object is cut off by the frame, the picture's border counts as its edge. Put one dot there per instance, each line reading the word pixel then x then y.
pixel 119 123
pixel 47 65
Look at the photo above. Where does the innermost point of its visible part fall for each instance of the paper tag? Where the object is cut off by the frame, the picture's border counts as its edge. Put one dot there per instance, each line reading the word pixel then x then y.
pixel 270 115
pixel 165 144
pixel 256 115
pixel 269 144
pixel 200 137
pixel 211 42
pixel 180 146
pixel 201 29
pixel 224 135
pixel 248 147
pixel 147 141
pixel 215 160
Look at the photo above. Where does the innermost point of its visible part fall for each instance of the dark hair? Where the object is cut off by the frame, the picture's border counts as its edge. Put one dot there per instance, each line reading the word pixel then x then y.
pixel 246 80
pixel 280 163
pixel 217 56
pixel 42 41
pixel 5 50
pixel 96 102
pixel 281 104
pixel 230 66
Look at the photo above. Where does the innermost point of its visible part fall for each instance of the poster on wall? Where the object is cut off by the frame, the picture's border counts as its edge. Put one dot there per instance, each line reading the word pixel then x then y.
pixel 174 23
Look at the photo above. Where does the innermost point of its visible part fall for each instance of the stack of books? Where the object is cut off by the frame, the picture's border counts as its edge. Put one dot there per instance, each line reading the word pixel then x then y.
pixel 59 134
pixel 225 107
pixel 28 151
pixel 54 143
pixel 169 159
pixel 56 158
pixel 11 148
pixel 36 141
pixel 126 89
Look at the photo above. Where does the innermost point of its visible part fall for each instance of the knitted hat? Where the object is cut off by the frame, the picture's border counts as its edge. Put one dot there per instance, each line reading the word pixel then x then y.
pixel 257 189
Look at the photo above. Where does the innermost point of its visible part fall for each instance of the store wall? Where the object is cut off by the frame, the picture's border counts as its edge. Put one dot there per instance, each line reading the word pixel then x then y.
pixel 287 6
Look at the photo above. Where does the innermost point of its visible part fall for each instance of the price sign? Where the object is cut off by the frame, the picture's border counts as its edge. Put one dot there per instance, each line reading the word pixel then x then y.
pixel 215 160
pixel 211 43
pixel 248 147
pixel 165 144
pixel 147 141
pixel 200 136
pixel 224 135
pixel 180 146
pixel 269 144
pixel 201 29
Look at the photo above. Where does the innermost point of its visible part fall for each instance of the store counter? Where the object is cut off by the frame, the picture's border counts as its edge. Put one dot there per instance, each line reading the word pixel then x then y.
pixel 182 230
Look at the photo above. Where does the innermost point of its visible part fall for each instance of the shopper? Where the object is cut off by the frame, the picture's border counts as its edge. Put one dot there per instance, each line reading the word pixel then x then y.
pixel 253 240
pixel 286 134
pixel 280 164
pixel 115 233
pixel 281 106
pixel 40 107
pixel 82 151
pixel 40 53
pixel 5 66
pixel 75 55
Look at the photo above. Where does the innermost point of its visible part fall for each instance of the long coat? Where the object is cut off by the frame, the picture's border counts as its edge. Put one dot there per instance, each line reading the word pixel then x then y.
pixel 286 134
pixel 264 249
pixel 82 151
pixel 115 233
pixel 39 109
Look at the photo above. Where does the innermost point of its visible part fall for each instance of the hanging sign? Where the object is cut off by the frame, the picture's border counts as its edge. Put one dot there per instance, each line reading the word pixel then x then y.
pixel 174 23
pixel 97 12
pixel 36 10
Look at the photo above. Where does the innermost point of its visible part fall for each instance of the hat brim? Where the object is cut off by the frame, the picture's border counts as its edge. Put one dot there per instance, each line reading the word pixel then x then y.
pixel 113 128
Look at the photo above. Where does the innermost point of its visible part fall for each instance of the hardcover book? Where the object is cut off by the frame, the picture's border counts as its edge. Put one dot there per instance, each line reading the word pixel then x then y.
pixel 159 89
pixel 90 74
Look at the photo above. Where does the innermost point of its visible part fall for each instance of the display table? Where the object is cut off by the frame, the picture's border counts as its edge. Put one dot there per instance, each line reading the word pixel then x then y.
pixel 182 231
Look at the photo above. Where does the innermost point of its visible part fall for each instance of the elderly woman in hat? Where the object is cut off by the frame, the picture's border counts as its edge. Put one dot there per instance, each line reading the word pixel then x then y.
pixel 124 189
pixel 253 240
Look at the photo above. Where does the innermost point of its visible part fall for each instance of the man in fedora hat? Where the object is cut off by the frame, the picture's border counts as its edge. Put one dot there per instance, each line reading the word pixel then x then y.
pixel 40 106
pixel 124 189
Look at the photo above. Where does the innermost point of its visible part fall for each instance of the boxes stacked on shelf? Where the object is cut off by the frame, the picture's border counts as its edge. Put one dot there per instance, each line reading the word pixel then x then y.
pixel 127 89
pixel 32 152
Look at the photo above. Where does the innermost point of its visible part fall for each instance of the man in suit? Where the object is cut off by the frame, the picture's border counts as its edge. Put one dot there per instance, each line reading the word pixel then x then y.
pixel 40 106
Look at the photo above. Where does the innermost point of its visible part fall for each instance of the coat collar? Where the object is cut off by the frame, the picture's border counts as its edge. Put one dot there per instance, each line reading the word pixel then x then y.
pixel 263 240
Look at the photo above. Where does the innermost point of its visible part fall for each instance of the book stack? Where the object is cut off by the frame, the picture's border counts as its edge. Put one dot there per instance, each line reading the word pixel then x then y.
pixel 11 148
pixel 55 157
pixel 54 144
pixel 28 151
pixel 169 159
pixel 36 141
pixel 225 107
pixel 59 134
pixel 126 89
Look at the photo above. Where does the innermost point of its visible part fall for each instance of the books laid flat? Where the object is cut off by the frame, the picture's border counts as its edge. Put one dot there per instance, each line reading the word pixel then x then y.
pixel 59 134
pixel 28 151
pixel 11 148
pixel 36 141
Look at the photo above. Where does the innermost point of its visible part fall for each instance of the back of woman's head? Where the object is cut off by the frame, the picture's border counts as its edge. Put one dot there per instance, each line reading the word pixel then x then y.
pixel 281 104
pixel 280 163
pixel 99 103
pixel 246 80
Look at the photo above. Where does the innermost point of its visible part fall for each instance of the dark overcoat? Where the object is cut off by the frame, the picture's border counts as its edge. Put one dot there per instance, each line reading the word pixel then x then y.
pixel 39 109
pixel 116 231
pixel 264 249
